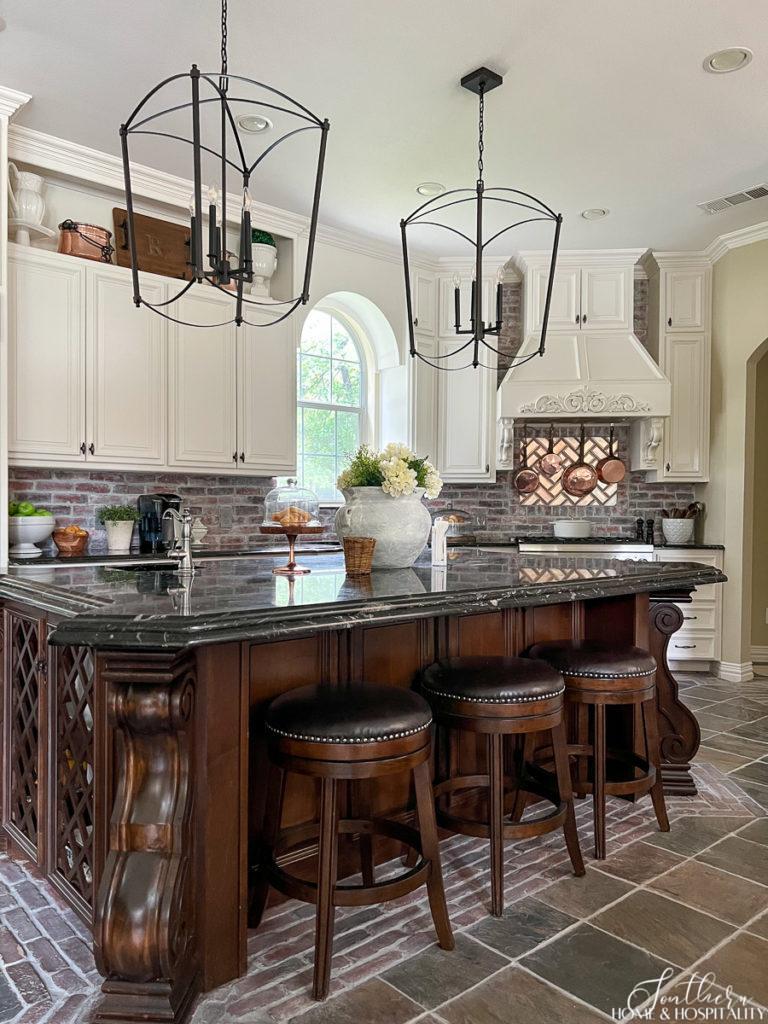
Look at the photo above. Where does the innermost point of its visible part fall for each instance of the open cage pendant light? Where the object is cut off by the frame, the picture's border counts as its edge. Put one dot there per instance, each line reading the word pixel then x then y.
pixel 523 204
pixel 220 95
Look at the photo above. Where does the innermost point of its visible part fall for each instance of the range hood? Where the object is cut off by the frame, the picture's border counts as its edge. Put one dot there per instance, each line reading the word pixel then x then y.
pixel 585 375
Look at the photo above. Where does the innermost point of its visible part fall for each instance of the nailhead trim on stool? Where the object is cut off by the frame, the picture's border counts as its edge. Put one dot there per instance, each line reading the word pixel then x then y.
pixel 379 738
pixel 503 699
pixel 607 675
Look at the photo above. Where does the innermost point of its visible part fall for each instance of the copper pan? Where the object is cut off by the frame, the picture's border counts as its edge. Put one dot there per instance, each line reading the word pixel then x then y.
pixel 550 464
pixel 88 241
pixel 611 469
pixel 525 480
pixel 580 479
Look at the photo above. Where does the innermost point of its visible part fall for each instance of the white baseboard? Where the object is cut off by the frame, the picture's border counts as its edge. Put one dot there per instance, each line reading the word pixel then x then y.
pixel 759 654
pixel 734 671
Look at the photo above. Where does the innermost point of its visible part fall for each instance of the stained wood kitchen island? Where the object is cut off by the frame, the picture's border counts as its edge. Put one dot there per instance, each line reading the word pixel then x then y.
pixel 133 756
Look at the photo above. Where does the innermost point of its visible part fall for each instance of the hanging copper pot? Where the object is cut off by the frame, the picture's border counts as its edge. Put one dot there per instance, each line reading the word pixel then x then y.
pixel 551 463
pixel 580 479
pixel 525 480
pixel 611 469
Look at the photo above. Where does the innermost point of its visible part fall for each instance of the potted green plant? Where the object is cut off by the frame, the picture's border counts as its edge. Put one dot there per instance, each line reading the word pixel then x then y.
pixel 264 256
pixel 118 521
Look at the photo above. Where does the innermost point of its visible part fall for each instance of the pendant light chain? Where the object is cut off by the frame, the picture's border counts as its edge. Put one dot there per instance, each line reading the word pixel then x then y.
pixel 224 63
pixel 480 130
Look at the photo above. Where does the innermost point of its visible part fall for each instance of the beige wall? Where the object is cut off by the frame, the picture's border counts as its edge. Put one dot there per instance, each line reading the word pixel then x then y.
pixel 760 510
pixel 739 338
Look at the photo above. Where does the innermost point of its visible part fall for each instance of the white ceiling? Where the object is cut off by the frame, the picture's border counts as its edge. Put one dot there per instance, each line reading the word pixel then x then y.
pixel 604 103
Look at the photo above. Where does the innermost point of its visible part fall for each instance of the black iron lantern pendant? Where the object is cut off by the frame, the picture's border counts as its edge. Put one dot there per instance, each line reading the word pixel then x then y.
pixel 529 207
pixel 208 106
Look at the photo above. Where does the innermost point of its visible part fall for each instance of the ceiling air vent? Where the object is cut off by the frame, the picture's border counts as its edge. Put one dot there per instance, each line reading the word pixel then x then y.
pixel 718 205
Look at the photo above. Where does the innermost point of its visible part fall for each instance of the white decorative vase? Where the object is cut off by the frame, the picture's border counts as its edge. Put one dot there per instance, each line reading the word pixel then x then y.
pixel 678 531
pixel 264 265
pixel 400 526
pixel 119 534
pixel 25 197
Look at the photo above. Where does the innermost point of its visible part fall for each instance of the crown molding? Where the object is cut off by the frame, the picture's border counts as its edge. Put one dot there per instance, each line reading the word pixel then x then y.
pixel 528 258
pixel 735 240
pixel 375 248
pixel 11 101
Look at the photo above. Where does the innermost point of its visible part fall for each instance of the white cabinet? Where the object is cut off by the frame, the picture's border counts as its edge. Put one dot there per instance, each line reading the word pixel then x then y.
pixel 698 641
pixel 46 358
pixel 592 295
pixel 266 406
pixel 424 299
pixel 203 384
pixel 126 370
pixel 466 425
pixel 423 400
pixel 686 440
pixel 685 294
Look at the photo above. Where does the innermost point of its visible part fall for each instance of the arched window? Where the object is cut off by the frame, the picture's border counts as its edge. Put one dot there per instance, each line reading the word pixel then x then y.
pixel 331 385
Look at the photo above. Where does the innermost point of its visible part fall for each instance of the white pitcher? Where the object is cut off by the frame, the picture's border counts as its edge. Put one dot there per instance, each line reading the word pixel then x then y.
pixel 25 195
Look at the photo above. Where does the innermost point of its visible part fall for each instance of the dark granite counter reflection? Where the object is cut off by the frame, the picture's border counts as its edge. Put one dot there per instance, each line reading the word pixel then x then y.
pixel 241 599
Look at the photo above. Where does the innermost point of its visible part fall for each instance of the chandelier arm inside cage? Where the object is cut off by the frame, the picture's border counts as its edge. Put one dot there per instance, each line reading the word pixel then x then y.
pixel 445 227
pixel 231 99
pixel 434 199
pixel 208 76
pixel 276 143
pixel 517 224
pixel 177 296
pixel 189 142
pixel 519 192
pixel 522 206
pixel 416 216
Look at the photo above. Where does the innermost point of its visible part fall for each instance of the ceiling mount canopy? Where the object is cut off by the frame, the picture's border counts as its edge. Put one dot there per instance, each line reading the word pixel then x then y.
pixel 203 111
pixel 521 204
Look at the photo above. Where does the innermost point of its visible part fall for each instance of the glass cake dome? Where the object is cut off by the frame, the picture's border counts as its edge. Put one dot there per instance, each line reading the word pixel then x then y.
pixel 290 507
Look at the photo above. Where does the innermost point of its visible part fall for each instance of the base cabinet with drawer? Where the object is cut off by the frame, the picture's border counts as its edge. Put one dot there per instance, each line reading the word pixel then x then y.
pixel 697 643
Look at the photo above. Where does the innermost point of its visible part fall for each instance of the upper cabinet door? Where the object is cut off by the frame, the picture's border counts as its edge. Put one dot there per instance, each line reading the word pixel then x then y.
pixel 684 307
pixel 423 400
pixel 467 421
pixel 424 299
pixel 46 357
pixel 607 298
pixel 267 397
pixel 564 308
pixel 686 439
pixel 202 383
pixel 126 381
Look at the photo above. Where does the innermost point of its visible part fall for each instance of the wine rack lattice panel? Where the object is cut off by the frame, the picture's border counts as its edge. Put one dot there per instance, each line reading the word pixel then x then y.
pixel 74 769
pixel 23 692
pixel 550 489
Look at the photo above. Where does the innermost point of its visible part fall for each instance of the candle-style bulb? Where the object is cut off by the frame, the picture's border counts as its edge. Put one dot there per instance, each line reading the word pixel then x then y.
pixel 500 275
pixel 456 281
pixel 247 201
pixel 191 204
pixel 213 196
pixel 474 272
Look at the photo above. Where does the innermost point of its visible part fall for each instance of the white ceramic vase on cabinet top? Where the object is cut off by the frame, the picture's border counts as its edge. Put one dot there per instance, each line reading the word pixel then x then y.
pixel 400 526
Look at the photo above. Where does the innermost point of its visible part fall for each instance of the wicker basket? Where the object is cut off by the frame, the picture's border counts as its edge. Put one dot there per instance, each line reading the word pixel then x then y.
pixel 358 555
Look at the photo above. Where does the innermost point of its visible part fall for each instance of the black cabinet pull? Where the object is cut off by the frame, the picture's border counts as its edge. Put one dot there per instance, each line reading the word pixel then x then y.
pixel 685 647
pixel 234 456
pixel 689 618
pixel 578 319
pixel 669 322
pixel 242 456
pixel 92 448
pixel 416 322
pixel 668 467
pixel 82 448
pixel 584 318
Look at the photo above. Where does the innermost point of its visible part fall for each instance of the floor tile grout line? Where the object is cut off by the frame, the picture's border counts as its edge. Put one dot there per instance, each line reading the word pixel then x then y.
pixel 574 998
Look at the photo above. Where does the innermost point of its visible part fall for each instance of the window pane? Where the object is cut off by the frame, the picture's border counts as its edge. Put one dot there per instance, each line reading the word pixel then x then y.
pixel 315 379
pixel 299 432
pixel 319 432
pixel 343 345
pixel 347 435
pixel 346 383
pixel 320 476
pixel 316 334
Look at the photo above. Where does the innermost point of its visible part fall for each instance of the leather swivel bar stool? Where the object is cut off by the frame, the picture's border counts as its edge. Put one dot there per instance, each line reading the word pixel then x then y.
pixel 349 735
pixel 600 675
pixel 506 699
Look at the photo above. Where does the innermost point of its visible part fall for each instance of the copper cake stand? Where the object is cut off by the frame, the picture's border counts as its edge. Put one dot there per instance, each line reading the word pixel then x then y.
pixel 291 533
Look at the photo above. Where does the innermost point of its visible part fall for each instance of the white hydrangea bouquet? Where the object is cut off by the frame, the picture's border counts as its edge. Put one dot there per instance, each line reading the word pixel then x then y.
pixel 396 469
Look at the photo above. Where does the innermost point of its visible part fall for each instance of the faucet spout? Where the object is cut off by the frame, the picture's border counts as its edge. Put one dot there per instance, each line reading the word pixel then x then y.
pixel 183 551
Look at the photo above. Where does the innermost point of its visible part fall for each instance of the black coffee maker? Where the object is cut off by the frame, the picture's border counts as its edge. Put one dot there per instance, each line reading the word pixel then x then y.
pixel 157 535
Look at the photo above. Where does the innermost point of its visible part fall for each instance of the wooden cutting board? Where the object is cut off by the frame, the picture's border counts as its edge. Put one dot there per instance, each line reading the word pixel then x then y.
pixel 161 247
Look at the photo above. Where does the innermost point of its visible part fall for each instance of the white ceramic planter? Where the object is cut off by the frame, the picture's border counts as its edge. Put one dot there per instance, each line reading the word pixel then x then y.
pixel 400 526
pixel 26 532
pixel 264 265
pixel 678 531
pixel 119 534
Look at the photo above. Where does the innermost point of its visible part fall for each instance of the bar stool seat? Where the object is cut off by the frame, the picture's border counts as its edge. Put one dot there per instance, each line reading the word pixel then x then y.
pixel 351 735
pixel 597 675
pixel 503 697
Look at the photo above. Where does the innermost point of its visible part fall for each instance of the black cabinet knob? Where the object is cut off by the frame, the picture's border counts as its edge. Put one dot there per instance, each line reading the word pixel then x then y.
pixel 234 456
pixel 242 456
pixel 82 448
pixel 92 448
pixel 669 322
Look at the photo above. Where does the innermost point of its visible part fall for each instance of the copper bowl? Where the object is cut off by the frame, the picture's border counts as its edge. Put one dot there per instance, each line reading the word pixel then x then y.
pixel 88 241
pixel 70 544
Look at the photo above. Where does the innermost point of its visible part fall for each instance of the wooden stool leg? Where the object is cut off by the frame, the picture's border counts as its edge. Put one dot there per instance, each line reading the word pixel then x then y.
pixel 496 821
pixel 270 832
pixel 523 754
pixel 563 773
pixel 326 883
pixel 582 738
pixel 361 808
pixel 651 729
pixel 598 796
pixel 430 848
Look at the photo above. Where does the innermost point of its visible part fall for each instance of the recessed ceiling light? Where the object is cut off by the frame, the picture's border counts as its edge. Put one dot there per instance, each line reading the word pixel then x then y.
pixel 733 58
pixel 430 188
pixel 254 123
pixel 594 213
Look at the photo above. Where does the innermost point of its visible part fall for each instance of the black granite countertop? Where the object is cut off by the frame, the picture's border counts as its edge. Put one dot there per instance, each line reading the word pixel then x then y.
pixel 549 539
pixel 240 598
pixel 203 553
